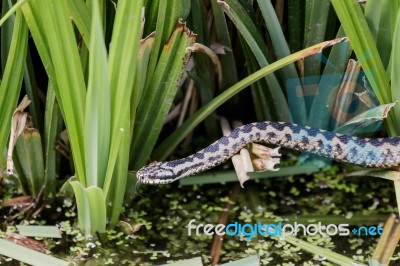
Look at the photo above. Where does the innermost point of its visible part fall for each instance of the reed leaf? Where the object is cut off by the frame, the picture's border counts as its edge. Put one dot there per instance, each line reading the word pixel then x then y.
pixel 12 77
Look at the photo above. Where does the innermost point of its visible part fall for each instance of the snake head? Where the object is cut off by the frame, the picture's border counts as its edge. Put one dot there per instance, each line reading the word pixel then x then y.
pixel 155 174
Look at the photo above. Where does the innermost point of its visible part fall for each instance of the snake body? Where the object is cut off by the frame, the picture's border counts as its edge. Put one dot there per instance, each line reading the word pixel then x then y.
pixel 367 152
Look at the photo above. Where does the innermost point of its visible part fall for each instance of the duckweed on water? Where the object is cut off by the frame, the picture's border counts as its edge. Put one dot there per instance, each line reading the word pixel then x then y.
pixel 163 214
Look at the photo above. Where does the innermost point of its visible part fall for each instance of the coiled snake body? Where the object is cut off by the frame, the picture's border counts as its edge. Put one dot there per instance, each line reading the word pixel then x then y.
pixel 367 152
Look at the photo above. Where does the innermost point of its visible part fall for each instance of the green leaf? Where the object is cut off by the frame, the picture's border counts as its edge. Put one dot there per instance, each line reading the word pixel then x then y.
pixel 157 99
pixel 82 17
pixel 362 42
pixel 30 157
pixel 249 261
pixel 194 262
pixel 322 252
pixel 356 28
pixel 295 18
pixel 11 11
pixel 122 63
pixel 230 176
pixel 29 256
pixel 229 71
pixel 315 29
pixel 288 73
pixel 55 39
pixel 320 114
pixel 12 77
pixel 97 113
pixel 365 119
pixel 385 174
pixel 91 207
pixel 115 196
pixel 251 35
pixel 395 67
pixel 39 231
pixel 144 53
pixel 50 132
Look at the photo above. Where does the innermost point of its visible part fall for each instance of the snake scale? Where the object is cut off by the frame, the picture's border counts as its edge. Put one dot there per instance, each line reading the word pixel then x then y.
pixel 367 152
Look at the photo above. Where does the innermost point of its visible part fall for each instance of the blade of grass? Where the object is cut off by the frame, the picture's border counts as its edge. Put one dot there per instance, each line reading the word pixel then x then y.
pixel 6 32
pixel 295 18
pixel 362 42
pixel 32 90
pixel 80 13
pixel 91 207
pixel 39 231
pixel 29 151
pixel 67 78
pixel 320 113
pixel 397 191
pixel 288 73
pixel 381 18
pixel 229 72
pixel 395 66
pixel 365 119
pixel 97 113
pixel 169 12
pixel 385 174
pixel 230 176
pixel 143 60
pixel 11 11
pixel 29 256
pixel 249 261
pixel 195 262
pixel 122 63
pixel 204 80
pixel 151 16
pixel 322 252
pixel 117 191
pixel 314 33
pixel 260 96
pixel 50 132
pixel 12 77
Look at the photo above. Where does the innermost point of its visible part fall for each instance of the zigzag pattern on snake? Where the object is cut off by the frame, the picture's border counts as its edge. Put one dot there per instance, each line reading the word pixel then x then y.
pixel 367 152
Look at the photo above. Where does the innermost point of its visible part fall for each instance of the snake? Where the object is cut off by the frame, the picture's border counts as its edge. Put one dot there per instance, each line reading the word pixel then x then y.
pixel 365 152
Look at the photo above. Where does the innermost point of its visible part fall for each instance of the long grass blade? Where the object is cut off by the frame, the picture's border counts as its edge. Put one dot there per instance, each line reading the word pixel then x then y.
pixel 229 71
pixel 122 66
pixel 91 204
pixel 315 32
pixel 50 131
pixel 362 42
pixel 29 256
pixel 12 77
pixel 97 114
pixel 323 252
pixel 68 80
pixel 11 11
pixel 250 34
pixel 30 156
pixel 82 17
pixel 288 73
pixel 395 67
